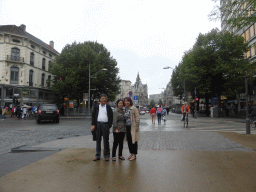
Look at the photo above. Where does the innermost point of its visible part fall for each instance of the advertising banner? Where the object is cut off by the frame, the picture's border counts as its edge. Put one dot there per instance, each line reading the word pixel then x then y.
pixel 85 96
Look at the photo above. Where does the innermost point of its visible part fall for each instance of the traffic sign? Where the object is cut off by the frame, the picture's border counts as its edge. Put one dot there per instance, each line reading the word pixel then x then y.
pixel 130 93
pixel 135 98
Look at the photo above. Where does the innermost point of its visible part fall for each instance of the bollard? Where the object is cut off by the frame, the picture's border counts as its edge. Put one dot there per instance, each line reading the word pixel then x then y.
pixel 247 125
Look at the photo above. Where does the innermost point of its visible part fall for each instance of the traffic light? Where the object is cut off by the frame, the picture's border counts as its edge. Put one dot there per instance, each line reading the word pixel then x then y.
pixel 196 99
pixel 250 89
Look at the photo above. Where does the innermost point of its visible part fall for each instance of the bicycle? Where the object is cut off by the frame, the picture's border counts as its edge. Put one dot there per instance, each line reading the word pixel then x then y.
pixel 185 120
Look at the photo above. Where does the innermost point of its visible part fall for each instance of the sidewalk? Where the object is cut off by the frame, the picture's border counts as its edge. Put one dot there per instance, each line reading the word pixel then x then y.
pixel 167 161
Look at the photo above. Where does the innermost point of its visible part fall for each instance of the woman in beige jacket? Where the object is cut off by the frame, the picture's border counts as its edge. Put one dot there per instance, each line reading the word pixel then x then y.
pixel 4 111
pixel 132 118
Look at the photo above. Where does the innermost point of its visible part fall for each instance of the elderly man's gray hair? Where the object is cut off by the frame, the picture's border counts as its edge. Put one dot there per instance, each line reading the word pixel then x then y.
pixel 103 95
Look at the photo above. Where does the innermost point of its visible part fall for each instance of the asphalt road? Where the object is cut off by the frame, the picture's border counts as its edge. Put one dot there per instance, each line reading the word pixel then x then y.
pixel 15 133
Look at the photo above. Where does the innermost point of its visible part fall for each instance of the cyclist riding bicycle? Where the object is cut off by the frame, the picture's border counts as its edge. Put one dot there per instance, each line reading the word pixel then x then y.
pixel 185 108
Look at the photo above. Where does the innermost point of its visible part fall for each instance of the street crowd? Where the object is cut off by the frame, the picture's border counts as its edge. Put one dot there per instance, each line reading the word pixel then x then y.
pixel 19 112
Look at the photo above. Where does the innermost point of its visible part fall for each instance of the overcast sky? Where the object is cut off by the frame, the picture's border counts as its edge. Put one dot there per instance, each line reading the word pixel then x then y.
pixel 142 35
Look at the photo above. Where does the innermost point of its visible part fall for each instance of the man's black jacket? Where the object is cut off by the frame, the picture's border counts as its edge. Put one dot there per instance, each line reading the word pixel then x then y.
pixel 95 114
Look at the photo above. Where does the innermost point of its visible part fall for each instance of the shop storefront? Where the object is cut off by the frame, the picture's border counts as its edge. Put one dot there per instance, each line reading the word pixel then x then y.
pixel 23 95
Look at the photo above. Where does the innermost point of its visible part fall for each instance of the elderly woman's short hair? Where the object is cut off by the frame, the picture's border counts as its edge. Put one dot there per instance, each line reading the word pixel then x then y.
pixel 129 99
pixel 119 101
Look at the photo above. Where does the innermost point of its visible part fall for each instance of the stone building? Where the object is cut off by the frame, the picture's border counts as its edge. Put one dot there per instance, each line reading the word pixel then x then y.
pixel 156 98
pixel 141 91
pixel 136 91
pixel 24 67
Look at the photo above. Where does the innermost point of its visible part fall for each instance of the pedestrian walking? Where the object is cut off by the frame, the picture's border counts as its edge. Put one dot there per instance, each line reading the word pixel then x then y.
pixel 13 112
pixel 18 112
pixel 34 111
pixel 168 110
pixel 159 114
pixel 4 111
pixel 24 113
pixel 119 130
pixel 153 114
pixel 102 119
pixel 164 112
pixel 193 110
pixel 132 118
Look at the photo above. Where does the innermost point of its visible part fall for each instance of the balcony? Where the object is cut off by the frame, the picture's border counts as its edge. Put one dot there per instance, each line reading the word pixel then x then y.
pixel 17 59
pixel 30 84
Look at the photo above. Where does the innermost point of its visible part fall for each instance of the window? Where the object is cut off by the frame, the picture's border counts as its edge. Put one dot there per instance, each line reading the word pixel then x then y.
pixel 14 75
pixel 43 64
pixel 32 59
pixel 44 52
pixel 8 93
pixel 247 35
pixel 49 65
pixel 49 81
pixel 33 46
pixel 252 51
pixel 251 31
pixel 42 80
pixel 31 72
pixel 248 54
pixel 16 40
pixel 15 54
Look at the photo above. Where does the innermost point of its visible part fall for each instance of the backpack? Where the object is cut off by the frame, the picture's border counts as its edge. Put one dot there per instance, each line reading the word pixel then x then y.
pixel 159 111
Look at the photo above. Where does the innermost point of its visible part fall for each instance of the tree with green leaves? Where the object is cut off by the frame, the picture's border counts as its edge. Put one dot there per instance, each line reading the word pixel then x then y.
pixel 152 103
pixel 71 71
pixel 235 13
pixel 160 102
pixel 216 65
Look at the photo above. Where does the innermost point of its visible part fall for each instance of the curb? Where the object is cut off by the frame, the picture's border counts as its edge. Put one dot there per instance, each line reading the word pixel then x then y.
pixel 24 148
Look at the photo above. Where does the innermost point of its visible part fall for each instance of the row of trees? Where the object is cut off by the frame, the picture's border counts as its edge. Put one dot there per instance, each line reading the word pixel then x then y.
pixel 215 66
pixel 153 103
pixel 71 71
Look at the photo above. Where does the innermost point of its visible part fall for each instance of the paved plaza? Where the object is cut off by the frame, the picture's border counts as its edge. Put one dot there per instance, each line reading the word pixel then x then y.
pixel 206 156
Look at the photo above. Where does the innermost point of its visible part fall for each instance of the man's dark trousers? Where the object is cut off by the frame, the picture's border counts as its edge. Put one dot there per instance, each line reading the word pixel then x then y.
pixel 102 130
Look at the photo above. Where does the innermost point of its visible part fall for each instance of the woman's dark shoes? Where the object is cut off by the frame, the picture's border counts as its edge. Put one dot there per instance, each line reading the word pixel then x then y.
pixel 96 159
pixel 122 158
pixel 113 158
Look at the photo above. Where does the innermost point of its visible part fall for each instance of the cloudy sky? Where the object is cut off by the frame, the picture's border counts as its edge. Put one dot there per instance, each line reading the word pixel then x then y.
pixel 142 35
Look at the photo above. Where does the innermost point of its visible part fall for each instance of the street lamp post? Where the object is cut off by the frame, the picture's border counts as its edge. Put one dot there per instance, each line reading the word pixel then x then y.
pixel 89 101
pixel 168 67
pixel 247 107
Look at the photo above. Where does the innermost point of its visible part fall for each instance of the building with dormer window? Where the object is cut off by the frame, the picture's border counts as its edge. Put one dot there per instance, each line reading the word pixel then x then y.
pixel 24 67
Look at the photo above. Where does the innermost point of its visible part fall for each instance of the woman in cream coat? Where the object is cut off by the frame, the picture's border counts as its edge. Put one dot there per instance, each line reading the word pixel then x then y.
pixel 132 118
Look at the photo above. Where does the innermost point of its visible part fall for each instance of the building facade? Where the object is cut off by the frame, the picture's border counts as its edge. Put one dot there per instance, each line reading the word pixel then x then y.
pixel 156 98
pixel 24 67
pixel 138 91
pixel 249 35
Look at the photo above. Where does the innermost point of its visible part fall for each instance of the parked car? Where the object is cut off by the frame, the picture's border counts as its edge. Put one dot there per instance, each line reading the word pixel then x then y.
pixel 47 112
pixel 142 112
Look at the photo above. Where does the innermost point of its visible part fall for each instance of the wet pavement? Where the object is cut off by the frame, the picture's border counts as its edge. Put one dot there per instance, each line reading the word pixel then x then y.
pixel 170 158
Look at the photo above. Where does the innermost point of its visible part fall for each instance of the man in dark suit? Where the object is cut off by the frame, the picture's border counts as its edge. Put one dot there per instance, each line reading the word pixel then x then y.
pixel 102 120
